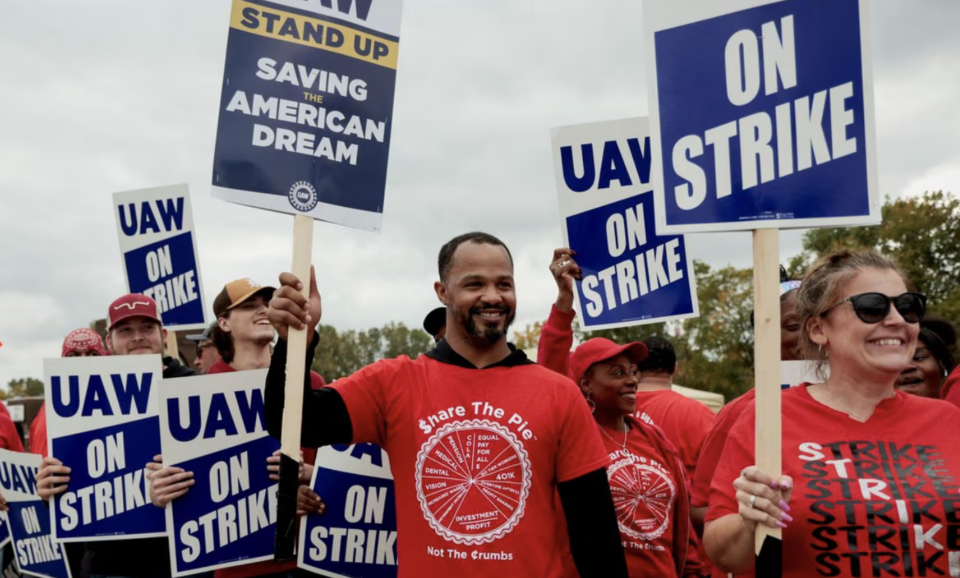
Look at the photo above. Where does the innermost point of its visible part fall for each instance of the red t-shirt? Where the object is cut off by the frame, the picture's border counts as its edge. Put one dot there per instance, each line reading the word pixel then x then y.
pixel 685 421
pixel 950 390
pixel 9 436
pixel 649 493
pixel 870 499
pixel 38 432
pixel 710 456
pixel 476 455
pixel 309 456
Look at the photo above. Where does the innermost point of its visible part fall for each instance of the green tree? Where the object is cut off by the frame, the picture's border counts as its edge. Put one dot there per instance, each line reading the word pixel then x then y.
pixel 715 350
pixel 341 353
pixel 23 387
pixel 922 234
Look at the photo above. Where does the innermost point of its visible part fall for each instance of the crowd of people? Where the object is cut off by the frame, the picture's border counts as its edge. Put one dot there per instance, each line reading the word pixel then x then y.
pixel 586 462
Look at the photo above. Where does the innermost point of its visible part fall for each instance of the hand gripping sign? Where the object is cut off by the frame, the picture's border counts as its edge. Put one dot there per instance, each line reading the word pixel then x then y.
pixel 631 275
pixel 356 536
pixel 214 426
pixel 34 548
pixel 761 114
pixel 102 423
pixel 159 251
pixel 306 110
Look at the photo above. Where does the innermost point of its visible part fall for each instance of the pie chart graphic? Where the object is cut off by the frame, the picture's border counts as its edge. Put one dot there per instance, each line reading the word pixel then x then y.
pixel 643 497
pixel 473 479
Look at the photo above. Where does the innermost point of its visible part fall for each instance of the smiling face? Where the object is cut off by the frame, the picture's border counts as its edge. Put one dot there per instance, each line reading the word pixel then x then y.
pixel 612 385
pixel 879 350
pixel 136 336
pixel 924 375
pixel 479 291
pixel 248 321
pixel 789 328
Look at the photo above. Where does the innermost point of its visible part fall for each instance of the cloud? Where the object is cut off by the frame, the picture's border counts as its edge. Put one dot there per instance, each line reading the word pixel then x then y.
pixel 96 100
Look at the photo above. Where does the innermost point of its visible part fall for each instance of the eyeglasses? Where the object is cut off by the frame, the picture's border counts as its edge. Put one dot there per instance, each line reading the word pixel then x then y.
pixel 874 307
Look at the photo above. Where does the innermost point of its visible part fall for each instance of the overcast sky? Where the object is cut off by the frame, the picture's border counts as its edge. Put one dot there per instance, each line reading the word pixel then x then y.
pixel 98 97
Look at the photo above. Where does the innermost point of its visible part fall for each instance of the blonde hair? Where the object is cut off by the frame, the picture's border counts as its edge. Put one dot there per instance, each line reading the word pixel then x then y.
pixel 820 290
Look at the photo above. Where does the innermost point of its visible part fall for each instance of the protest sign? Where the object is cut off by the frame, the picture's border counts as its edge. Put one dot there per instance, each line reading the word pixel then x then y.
pixel 631 275
pixel 356 536
pixel 102 423
pixel 159 249
pixel 761 114
pixel 213 426
pixel 34 549
pixel 306 109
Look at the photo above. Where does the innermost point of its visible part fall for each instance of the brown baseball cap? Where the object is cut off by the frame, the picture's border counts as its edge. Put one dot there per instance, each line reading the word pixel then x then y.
pixel 236 292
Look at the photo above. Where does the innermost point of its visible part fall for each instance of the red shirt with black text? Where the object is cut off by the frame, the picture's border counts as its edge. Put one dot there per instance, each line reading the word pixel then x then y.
pixel 870 499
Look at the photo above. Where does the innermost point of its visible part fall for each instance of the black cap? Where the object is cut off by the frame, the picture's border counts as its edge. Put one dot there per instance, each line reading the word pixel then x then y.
pixel 435 320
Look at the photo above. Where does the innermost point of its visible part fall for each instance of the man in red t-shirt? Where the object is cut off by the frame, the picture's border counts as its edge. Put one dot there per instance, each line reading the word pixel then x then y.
pixel 480 439
pixel 685 421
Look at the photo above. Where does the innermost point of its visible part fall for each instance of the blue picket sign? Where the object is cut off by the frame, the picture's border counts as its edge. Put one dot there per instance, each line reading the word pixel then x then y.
pixel 761 117
pixel 356 536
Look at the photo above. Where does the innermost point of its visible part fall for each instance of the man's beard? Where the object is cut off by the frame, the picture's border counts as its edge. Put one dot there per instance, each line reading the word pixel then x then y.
pixel 486 335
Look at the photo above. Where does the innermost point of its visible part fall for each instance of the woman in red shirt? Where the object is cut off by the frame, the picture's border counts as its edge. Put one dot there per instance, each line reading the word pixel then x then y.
pixel 646 475
pixel 868 487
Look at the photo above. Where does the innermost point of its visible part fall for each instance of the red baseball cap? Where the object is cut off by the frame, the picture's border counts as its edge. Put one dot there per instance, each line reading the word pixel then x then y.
pixel 83 339
pixel 132 305
pixel 601 349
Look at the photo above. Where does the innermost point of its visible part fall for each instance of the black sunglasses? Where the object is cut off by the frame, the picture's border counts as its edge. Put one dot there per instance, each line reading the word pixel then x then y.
pixel 874 307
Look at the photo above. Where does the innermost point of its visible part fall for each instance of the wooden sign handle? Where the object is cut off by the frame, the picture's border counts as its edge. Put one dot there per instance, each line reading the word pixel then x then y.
pixel 766 355
pixel 173 349
pixel 286 539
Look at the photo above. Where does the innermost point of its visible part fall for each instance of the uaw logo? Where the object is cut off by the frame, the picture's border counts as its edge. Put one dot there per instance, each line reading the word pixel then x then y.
pixel 345 6
pixel 302 196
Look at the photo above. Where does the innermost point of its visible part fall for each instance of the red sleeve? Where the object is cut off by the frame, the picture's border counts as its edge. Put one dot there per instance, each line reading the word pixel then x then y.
pixel 38 432
pixel 713 447
pixel 364 393
pixel 951 388
pixel 581 448
pixel 9 436
pixel 737 454
pixel 556 339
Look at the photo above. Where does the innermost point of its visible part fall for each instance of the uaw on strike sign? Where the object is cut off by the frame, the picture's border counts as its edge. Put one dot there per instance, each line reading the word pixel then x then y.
pixel 159 247
pixel 631 275
pixel 35 552
pixel 102 423
pixel 356 536
pixel 214 426
pixel 306 108
pixel 761 114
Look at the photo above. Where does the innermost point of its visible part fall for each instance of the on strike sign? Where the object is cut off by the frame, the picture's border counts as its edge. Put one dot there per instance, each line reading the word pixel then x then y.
pixel 159 250
pixel 102 423
pixel 214 427
pixel 761 114
pixel 631 275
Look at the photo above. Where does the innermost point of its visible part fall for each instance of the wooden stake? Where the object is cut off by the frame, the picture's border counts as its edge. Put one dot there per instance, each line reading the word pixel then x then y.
pixel 285 544
pixel 173 349
pixel 766 359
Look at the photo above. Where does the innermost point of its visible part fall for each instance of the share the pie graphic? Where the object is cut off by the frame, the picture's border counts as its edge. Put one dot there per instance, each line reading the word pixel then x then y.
pixel 643 496
pixel 473 478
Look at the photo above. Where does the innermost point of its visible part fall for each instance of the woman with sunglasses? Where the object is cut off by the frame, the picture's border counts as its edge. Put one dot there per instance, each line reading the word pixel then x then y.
pixel 868 487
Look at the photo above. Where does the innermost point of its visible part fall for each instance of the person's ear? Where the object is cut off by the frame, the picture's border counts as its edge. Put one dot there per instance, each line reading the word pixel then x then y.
pixel 441 290
pixel 224 324
pixel 817 331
